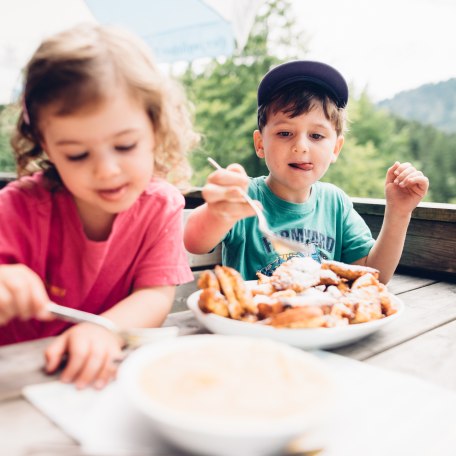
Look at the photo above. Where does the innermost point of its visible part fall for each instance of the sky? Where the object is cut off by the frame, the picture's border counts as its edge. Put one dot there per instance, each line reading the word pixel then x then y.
pixel 382 46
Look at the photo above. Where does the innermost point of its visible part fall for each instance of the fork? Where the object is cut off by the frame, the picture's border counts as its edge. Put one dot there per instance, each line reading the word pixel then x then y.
pixel 281 244
pixel 133 337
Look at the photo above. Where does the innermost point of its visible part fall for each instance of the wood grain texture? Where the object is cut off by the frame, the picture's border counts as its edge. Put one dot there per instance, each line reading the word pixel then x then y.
pixel 430 356
pixel 27 432
pixel 20 365
pixel 429 245
pixel 422 343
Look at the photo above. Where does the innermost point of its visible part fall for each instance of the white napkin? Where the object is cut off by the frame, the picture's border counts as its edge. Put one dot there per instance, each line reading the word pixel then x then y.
pixel 380 413
pixel 101 421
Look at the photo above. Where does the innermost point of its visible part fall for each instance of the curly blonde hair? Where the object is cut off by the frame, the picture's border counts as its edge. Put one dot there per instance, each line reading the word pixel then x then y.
pixel 76 69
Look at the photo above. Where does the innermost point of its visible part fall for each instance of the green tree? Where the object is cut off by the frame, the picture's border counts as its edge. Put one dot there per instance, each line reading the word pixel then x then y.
pixel 224 92
pixel 8 117
pixel 359 170
pixel 436 153
pixel 373 143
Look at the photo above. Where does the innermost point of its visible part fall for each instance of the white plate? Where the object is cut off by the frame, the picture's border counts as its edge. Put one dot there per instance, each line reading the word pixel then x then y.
pixel 308 338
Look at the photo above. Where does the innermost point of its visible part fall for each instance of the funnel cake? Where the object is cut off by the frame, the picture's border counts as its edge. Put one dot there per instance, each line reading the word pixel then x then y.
pixel 301 293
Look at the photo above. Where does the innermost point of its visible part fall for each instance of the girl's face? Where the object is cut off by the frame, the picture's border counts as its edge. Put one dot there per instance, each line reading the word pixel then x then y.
pixel 104 156
pixel 298 151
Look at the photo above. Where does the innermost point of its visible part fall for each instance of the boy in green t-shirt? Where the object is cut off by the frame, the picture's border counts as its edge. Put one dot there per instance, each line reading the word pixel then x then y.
pixel 301 121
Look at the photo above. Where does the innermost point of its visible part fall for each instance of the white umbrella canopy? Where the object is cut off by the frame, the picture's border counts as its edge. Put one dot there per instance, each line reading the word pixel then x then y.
pixel 183 29
pixel 176 30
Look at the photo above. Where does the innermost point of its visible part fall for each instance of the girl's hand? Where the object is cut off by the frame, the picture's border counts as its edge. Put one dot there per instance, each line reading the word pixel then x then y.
pixel 405 187
pixel 92 351
pixel 22 294
pixel 223 193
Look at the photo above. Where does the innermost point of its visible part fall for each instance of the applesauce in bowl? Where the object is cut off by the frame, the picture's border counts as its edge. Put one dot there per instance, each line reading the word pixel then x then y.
pixel 227 395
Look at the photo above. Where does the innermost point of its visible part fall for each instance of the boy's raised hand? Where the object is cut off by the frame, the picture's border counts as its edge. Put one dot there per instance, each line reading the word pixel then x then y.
pixel 223 193
pixel 92 354
pixel 405 187
pixel 22 294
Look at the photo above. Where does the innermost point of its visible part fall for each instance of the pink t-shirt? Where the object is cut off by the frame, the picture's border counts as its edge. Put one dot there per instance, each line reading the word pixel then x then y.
pixel 42 230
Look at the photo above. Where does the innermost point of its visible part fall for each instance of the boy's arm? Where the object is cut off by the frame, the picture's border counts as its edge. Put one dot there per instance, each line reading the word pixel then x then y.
pixel 207 224
pixel 387 250
pixel 405 187
pixel 205 229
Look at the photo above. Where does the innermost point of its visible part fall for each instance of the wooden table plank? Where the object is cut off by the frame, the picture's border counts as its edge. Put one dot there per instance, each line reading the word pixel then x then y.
pixel 22 364
pixel 431 356
pixel 422 343
pixel 26 431
pixel 400 283
pixel 425 309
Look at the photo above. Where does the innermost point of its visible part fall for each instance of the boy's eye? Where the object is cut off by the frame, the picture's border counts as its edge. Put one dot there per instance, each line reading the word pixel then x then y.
pixel 316 136
pixel 284 134
pixel 125 147
pixel 78 157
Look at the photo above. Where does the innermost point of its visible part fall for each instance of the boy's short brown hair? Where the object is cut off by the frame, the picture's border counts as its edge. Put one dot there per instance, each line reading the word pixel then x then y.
pixel 299 98
pixel 296 87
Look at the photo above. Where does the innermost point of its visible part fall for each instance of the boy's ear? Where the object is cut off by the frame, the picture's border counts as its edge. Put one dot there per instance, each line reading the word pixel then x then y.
pixel 337 148
pixel 258 143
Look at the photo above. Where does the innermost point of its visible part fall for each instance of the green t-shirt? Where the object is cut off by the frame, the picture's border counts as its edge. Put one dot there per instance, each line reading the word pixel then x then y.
pixel 327 222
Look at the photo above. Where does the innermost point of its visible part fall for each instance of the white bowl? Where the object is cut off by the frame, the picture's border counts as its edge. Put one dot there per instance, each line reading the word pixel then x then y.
pixel 307 338
pixel 228 395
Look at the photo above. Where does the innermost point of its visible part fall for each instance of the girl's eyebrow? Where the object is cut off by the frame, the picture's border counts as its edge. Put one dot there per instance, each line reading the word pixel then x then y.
pixel 66 142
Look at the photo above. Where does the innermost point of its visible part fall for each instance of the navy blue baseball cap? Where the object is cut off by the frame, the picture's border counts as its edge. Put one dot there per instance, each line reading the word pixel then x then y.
pixel 320 74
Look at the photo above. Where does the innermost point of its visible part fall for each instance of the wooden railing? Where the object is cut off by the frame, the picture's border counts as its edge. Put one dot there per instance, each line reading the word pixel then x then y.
pixel 430 245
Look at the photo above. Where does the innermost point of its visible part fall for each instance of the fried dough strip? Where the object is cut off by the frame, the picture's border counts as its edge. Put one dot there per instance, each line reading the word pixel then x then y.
pixel 227 285
pixel 207 279
pixel 349 271
pixel 212 301
pixel 299 317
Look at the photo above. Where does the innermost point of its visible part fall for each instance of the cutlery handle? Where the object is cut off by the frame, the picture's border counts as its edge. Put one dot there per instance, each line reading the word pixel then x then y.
pixel 79 316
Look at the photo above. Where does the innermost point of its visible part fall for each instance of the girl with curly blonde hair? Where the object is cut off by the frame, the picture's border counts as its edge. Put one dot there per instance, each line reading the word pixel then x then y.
pixel 94 222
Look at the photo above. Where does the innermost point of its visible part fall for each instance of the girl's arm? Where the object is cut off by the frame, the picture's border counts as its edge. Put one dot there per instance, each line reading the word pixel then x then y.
pixel 144 308
pixel 93 351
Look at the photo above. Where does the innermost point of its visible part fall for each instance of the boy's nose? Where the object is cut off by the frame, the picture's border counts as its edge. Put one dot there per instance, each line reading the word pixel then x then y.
pixel 301 144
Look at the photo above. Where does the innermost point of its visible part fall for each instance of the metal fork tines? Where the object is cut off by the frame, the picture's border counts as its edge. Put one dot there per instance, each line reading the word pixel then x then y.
pixel 281 244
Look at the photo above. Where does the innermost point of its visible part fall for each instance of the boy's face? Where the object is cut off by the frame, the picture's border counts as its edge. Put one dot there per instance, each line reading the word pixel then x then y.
pixel 297 151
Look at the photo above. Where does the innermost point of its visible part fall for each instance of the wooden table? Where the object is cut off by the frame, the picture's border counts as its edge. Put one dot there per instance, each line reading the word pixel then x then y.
pixel 421 343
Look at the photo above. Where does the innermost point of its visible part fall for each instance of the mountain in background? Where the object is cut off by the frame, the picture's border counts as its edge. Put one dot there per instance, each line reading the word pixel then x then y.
pixel 430 104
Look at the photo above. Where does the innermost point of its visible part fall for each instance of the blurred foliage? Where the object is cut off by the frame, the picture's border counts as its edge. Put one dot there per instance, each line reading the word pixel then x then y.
pixel 8 117
pixel 224 95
